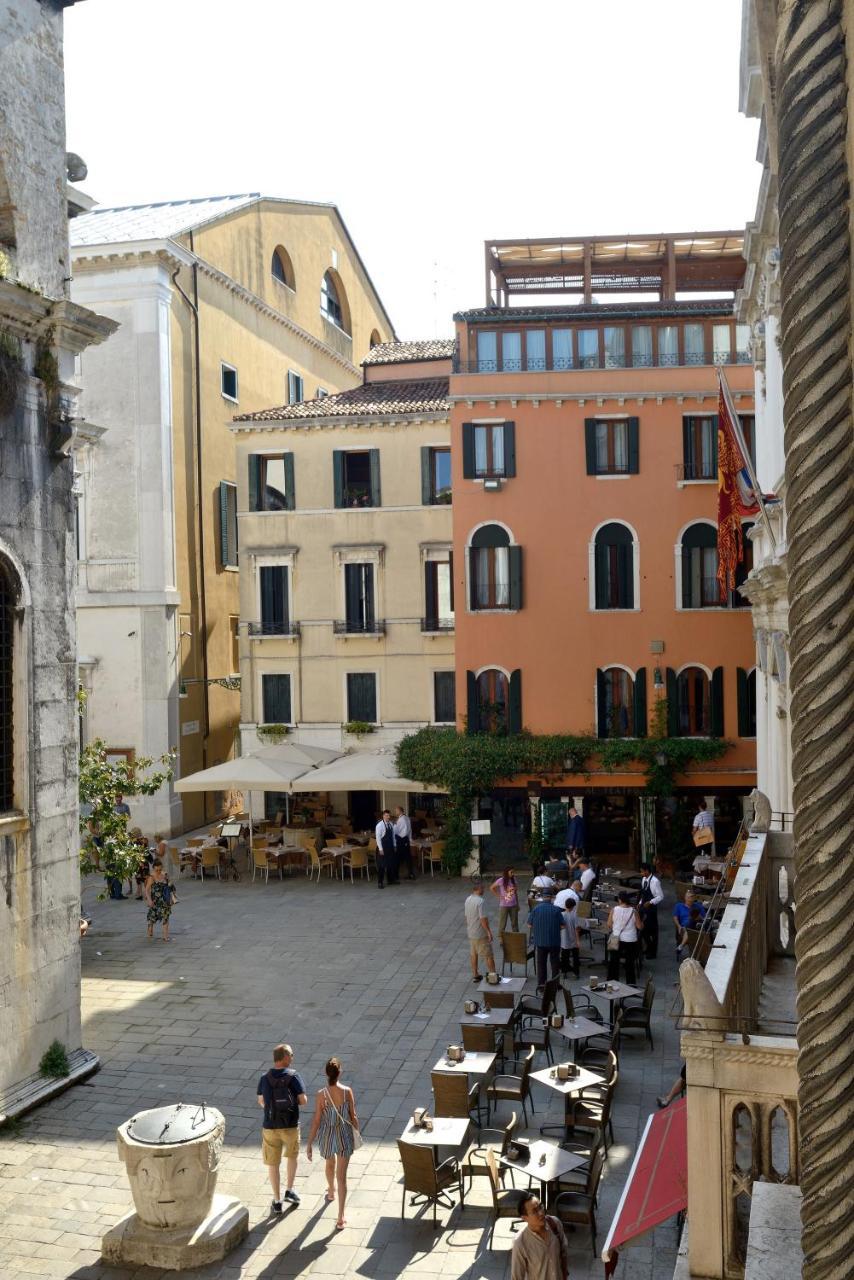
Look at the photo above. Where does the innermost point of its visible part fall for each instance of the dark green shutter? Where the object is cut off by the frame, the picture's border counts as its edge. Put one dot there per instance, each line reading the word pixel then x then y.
pixel 639 726
pixel 472 579
pixel 472 705
pixel 600 565
pixel 338 476
pixel 225 556
pixel 716 719
pixel 590 445
pixel 515 709
pixel 468 450
pixel 687 594
pixel 290 493
pixel 601 706
pixel 375 478
pixel 515 563
pixel 625 575
pixel 687 451
pixel 276 698
pixel 634 446
pixel 509 448
pixel 743 704
pixel 672 704
pixel 255 464
pixel 426 486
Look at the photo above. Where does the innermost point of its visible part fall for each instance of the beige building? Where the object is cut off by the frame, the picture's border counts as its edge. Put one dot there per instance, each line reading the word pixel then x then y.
pixel 225 305
pixel 346 598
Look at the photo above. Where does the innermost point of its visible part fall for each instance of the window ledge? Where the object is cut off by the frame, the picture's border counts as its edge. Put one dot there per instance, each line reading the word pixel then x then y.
pixel 12 824
pixel 616 475
pixel 475 613
pixel 634 609
pixel 231 568
pixel 230 399
pixel 685 484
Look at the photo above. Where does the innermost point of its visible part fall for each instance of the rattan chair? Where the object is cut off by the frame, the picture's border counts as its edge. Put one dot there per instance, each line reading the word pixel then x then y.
pixel 505 1204
pixel 512 1088
pixel 210 860
pixel 578 1208
pixel 532 1030
pixel 454 1096
pixel 432 855
pixel 542 1005
pixel 580 1003
pixel 474 1164
pixel 494 999
pixel 514 950
pixel 423 1177
pixel 638 1017
pixel 483 1040
pixel 592 1110
pixel 600 1049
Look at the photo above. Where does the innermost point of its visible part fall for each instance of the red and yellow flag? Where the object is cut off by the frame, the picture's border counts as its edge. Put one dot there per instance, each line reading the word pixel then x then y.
pixel 737 490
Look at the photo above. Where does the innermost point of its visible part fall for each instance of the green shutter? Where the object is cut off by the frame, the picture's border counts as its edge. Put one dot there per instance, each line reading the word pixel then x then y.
pixel 687 594
pixel 634 446
pixel 472 580
pixel 468 450
pixel 472 707
pixel 515 563
pixel 672 704
pixel 716 719
pixel 743 707
pixel 426 486
pixel 590 445
pixel 515 709
pixel 687 451
pixel 509 448
pixel 625 575
pixel 224 557
pixel 290 492
pixel 376 500
pixel 338 476
pixel 600 568
pixel 601 708
pixel 255 464
pixel 639 726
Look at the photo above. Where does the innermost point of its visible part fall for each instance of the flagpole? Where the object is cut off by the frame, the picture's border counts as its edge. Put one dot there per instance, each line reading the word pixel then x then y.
pixel 745 453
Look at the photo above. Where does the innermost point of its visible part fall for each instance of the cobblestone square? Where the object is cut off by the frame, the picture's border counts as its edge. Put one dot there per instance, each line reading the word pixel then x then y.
pixel 377 978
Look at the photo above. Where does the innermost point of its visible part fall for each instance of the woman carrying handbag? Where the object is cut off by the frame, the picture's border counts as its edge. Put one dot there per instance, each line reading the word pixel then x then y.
pixel 624 926
pixel 338 1125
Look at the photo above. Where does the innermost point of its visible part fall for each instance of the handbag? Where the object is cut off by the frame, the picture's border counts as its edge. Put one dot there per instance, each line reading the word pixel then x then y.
pixel 613 943
pixel 703 835
pixel 357 1137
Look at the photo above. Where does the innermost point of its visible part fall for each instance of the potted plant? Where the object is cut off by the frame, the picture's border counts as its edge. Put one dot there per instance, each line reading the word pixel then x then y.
pixel 273 733
pixel 358 728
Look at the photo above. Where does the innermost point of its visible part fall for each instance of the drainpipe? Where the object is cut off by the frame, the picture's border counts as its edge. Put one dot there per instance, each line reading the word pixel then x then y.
pixel 193 305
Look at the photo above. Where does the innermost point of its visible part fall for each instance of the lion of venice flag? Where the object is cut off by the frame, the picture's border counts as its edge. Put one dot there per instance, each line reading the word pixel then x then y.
pixel 738 490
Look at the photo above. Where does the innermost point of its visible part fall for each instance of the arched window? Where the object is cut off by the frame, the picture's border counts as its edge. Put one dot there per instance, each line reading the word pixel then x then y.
pixel 618 703
pixel 375 338
pixel 8 603
pixel 282 267
pixel 700 567
pixel 495 569
pixel 493 701
pixel 614 567
pixel 333 303
pixel 693 703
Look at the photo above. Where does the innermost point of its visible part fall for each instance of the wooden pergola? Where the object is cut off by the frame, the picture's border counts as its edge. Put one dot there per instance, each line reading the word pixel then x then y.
pixel 695 262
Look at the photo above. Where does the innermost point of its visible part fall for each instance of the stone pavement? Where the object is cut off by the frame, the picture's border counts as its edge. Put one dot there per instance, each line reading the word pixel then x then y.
pixel 377 978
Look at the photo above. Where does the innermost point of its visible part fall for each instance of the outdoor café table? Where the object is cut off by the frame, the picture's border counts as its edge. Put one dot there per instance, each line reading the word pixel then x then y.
pixel 583 1080
pixel 557 1163
pixel 575 1029
pixel 446 1132
pixel 490 1018
pixel 473 1064
pixel 514 985
pixel 619 991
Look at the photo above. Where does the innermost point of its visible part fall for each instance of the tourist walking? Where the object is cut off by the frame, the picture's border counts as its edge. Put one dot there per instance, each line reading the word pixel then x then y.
pixel 545 923
pixel 624 925
pixel 478 930
pixel 335 1124
pixel 159 894
pixel 540 1251
pixel 386 867
pixel 281 1092
pixel 649 897
pixel 403 842
pixel 703 823
pixel 576 834
pixel 507 893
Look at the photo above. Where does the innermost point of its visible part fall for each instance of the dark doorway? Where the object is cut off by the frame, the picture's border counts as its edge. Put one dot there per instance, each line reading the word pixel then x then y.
pixel 364 810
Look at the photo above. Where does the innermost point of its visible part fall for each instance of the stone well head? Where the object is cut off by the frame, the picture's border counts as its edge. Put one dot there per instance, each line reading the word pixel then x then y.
pixel 172 1160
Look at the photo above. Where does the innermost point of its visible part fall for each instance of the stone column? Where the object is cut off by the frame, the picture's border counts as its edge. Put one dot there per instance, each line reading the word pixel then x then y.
pixel 814 202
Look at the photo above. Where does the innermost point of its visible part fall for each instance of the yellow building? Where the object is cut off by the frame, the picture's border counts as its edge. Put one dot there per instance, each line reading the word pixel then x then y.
pixel 225 305
pixel 346 596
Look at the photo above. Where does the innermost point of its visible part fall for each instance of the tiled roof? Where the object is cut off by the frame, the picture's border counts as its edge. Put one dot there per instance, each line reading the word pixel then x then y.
pixel 371 400
pixel 151 221
pixel 401 352
pixel 594 311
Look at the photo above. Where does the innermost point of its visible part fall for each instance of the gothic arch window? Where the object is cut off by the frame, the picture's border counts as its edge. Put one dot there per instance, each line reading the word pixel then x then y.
pixel 495 569
pixel 614 567
pixel 333 301
pixel 620 703
pixel 282 267
pixel 700 567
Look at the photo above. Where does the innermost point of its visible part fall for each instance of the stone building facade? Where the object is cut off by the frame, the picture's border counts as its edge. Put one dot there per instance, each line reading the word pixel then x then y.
pixel 41 335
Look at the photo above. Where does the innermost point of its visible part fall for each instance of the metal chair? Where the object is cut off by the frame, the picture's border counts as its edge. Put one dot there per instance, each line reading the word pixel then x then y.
pixel 533 1031
pixel 514 950
pixel 505 1204
pixel 432 854
pixel 579 1207
pixel 454 1096
pixel 210 859
pixel 512 1088
pixel 423 1177
pixel 474 1162
pixel 638 1017
pixel 580 1003
pixel 592 1111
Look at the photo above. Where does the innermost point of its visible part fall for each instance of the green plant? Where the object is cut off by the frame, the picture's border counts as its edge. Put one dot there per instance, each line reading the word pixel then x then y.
pixel 54 1063
pixel 10 372
pixel 358 728
pixel 101 783
pixel 536 843
pixel 5 265
pixel 275 732
pixel 46 368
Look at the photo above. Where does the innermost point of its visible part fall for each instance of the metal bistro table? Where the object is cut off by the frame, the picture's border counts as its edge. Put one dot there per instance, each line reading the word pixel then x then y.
pixel 618 991
pixel 578 1028
pixel 473 1064
pixel 492 1018
pixel 582 1080
pixel 513 985
pixel 557 1163
pixel 447 1131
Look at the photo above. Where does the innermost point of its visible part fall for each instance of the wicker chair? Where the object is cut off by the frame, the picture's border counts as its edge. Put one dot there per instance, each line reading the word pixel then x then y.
pixel 432 854
pixel 498 999
pixel 317 861
pixel 637 1017
pixel 542 1005
pixel 599 1049
pixel 580 1003
pixel 592 1110
pixel 454 1096
pixel 512 1088
pixel 423 1177
pixel 514 949
pixel 579 1207
pixel 533 1031
pixel 483 1040
pixel 505 1204
pixel 210 860
pixel 474 1163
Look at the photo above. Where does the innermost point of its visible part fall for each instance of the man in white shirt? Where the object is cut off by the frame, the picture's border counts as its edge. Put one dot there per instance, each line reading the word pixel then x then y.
pixel 587 877
pixel 567 900
pixel 540 1251
pixel 384 833
pixel 402 838
pixel 651 894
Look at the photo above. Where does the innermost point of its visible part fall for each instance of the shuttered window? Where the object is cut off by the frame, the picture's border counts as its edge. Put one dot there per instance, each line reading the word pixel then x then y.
pixel 356 477
pixel 271 482
pixel 362 696
pixel 614 568
pixel 8 604
pixel 295 387
pixel 273 587
pixel 227 525
pixel 700 446
pixel 495 570
pixel 489 449
pixel 435 475
pixel 276 699
pixel 615 691
pixel 700 588
pixel 444 697
pixel 439 595
pixel 360 611
pixel 746 703
pixel 693 703
pixel 612 446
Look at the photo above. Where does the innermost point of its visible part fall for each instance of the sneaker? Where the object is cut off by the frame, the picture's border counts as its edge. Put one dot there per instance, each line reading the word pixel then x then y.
pixel 292 1197
pixel 476 978
pixel 276 1206
pixel 662 1102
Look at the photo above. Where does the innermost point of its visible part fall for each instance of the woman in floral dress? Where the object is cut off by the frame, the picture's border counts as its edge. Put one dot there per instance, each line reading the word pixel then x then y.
pixel 160 896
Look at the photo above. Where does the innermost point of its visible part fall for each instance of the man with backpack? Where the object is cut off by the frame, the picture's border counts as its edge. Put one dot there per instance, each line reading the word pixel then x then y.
pixel 281 1092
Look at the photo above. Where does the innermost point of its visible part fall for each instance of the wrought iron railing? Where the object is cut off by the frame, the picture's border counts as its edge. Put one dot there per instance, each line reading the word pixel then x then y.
pixel 358 627
pixel 437 624
pixel 638 360
pixel 273 628
pixel 695 471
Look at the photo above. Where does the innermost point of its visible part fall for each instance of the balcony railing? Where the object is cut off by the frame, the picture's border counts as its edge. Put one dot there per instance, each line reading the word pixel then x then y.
pixel 695 471
pixel 562 363
pixel 430 625
pixel 273 628
pixel 358 627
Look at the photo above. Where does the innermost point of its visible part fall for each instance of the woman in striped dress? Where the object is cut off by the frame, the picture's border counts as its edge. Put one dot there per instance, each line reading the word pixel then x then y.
pixel 334 1123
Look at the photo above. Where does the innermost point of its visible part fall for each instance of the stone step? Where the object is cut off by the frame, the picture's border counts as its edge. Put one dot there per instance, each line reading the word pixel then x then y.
pixel 35 1089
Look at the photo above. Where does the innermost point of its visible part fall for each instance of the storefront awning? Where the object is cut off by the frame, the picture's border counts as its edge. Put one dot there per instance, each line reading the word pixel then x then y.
pixel 657 1186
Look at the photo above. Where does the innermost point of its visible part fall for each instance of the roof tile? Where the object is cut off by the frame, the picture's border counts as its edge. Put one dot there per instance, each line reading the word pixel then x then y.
pixel 371 400
pixel 401 352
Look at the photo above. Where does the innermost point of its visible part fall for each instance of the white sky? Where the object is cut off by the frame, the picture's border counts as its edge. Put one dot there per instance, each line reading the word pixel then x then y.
pixel 431 126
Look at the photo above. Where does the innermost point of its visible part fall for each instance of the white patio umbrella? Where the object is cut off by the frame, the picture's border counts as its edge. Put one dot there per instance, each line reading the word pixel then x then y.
pixel 359 771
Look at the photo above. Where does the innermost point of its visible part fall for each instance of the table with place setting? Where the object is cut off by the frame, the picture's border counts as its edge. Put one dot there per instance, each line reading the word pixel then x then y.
pixel 488 1018
pixel 514 985
pixel 446 1131
pixel 545 1163
pixel 582 1078
pixel 472 1064
pixel 612 992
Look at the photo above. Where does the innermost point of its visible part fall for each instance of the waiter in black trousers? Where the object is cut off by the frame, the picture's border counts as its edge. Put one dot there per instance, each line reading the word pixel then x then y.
pixel 402 842
pixel 651 894
pixel 386 857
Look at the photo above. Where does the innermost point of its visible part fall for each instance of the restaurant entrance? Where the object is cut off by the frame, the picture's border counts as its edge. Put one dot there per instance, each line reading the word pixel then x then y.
pixel 364 810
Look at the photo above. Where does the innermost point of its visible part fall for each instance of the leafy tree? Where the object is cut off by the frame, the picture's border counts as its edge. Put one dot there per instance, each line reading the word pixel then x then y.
pixel 101 783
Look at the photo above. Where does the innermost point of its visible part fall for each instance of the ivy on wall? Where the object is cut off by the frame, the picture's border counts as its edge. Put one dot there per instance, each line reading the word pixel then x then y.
pixel 471 765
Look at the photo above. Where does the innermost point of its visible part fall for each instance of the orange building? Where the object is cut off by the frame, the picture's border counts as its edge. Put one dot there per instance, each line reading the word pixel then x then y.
pixel 585 496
